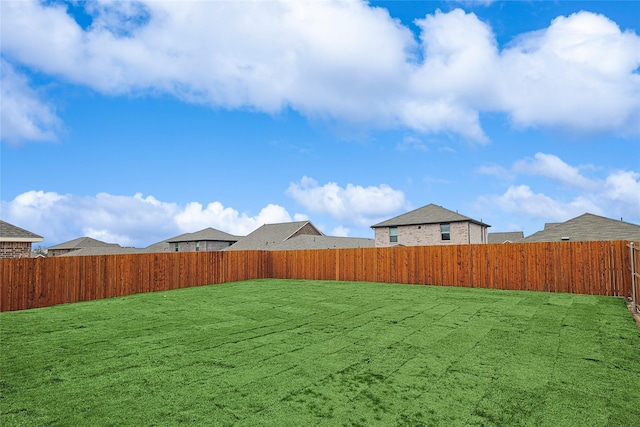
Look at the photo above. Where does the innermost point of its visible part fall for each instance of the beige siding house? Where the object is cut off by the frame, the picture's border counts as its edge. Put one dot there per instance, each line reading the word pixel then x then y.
pixel 430 225
pixel 206 240
pixel 81 243
pixel 15 242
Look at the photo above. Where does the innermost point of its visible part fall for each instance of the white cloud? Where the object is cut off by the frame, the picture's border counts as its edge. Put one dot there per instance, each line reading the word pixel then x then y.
pixel 340 61
pixel 24 116
pixel 623 187
pixel 230 220
pixel 127 220
pixel 615 195
pixel 521 200
pixel 352 204
pixel 553 167
pixel 579 74
pixel 340 231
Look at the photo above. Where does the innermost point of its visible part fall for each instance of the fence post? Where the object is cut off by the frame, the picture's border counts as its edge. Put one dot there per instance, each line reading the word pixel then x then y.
pixel 633 280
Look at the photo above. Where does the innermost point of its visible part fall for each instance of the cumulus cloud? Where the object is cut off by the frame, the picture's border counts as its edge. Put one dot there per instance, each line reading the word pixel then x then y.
pixel 352 204
pixel 553 167
pixel 136 220
pixel 340 61
pixel 579 74
pixel 615 195
pixel 521 200
pixel 217 216
pixel 24 115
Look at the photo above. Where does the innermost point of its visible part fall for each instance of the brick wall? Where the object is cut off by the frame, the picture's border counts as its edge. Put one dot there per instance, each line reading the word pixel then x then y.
pixel 429 234
pixel 15 249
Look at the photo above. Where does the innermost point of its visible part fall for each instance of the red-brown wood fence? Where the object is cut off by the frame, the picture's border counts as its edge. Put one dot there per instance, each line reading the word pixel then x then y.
pixel 635 275
pixel 599 268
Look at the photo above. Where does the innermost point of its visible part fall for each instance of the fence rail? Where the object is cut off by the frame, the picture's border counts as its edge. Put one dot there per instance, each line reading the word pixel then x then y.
pixel 600 268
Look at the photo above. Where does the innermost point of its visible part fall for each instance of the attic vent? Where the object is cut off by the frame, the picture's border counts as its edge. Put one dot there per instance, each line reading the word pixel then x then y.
pixel 565 238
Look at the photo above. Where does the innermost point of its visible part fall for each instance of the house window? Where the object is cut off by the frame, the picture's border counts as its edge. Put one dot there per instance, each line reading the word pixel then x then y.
pixel 176 247
pixel 445 231
pixel 197 246
pixel 393 234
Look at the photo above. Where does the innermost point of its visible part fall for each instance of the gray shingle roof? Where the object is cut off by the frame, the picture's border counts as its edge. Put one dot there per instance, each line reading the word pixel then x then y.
pixel 429 214
pixel 587 227
pixel 103 250
pixel 306 241
pixel 270 234
pixel 83 242
pixel 208 234
pixel 12 233
pixel 505 236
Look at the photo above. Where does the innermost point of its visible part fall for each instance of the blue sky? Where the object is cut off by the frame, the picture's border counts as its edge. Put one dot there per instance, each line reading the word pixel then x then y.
pixel 133 122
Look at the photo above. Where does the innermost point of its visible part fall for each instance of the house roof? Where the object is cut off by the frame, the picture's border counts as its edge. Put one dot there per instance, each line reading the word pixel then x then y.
pixel 587 227
pixel 505 237
pixel 270 234
pixel 429 214
pixel 306 241
pixel 103 250
pixel 13 233
pixel 210 234
pixel 83 242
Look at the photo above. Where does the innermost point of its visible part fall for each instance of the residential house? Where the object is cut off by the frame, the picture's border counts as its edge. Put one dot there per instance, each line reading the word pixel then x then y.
pixel 15 242
pixel 81 243
pixel 586 227
pixel 430 225
pixel 269 236
pixel 308 241
pixel 505 237
pixel 102 250
pixel 205 240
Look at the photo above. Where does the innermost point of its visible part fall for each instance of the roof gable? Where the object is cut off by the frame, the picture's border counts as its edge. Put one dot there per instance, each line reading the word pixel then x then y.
pixel 13 233
pixel 587 227
pixel 429 214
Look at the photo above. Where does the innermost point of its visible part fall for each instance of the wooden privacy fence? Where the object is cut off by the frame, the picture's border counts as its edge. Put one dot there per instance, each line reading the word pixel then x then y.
pixel 635 275
pixel 41 282
pixel 600 268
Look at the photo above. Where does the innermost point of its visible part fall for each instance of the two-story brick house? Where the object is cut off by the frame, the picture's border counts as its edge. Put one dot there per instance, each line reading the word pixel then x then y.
pixel 15 242
pixel 430 225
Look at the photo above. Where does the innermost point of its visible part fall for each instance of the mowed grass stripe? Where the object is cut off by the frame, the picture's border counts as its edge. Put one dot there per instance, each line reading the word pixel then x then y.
pixel 290 352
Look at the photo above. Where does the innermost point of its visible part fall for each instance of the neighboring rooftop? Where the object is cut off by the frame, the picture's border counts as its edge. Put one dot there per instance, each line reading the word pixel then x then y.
pixel 210 234
pixel 505 237
pixel 429 214
pixel 306 241
pixel 270 234
pixel 587 227
pixel 13 233
pixel 104 250
pixel 83 242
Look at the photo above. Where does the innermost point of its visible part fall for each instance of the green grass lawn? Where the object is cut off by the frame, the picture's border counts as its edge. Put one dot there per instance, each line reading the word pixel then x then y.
pixel 294 353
